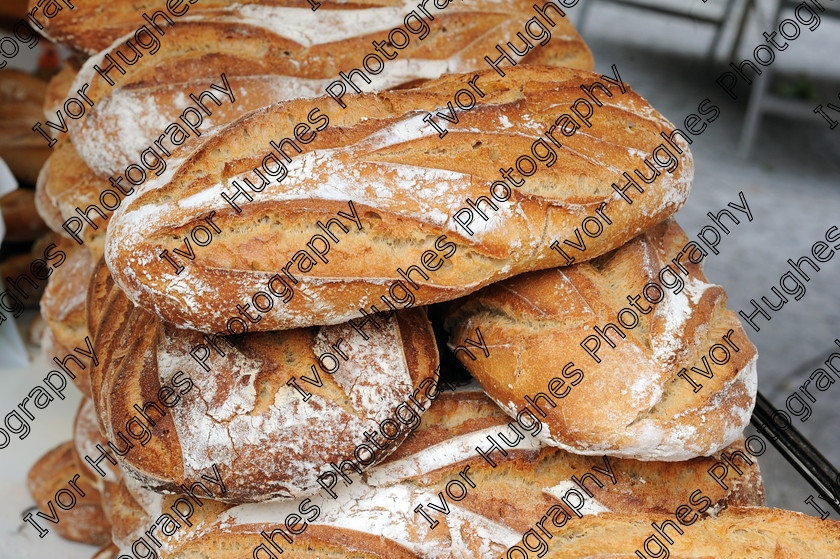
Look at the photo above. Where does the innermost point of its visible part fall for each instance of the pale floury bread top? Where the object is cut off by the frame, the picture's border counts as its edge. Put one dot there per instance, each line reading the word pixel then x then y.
pixel 398 184
pixel 633 403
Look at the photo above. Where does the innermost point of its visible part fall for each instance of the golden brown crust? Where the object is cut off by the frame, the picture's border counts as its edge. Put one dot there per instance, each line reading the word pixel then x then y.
pixel 632 403
pixel 85 522
pixel 264 66
pixel 382 146
pixel 66 183
pixel 241 414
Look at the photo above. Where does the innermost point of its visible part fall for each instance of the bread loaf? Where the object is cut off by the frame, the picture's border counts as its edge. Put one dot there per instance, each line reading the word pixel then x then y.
pixel 64 307
pixel 233 407
pixel 404 183
pixel 632 403
pixel 375 517
pixel 86 436
pixel 85 521
pixel 735 533
pixel 271 53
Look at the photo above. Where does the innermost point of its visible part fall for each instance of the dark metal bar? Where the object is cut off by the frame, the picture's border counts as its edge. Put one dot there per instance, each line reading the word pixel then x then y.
pixel 798 451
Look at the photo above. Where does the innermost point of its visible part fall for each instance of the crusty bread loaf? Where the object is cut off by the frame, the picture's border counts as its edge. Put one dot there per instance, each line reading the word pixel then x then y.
pixel 405 183
pixel 270 53
pixel 92 26
pixel 633 403
pixel 66 184
pixel 84 522
pixel 735 533
pixel 375 517
pixel 64 307
pixel 21 100
pixel 241 415
pixel 23 224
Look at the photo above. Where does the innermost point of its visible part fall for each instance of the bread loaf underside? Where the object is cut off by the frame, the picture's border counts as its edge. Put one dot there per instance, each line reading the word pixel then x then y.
pixel 405 183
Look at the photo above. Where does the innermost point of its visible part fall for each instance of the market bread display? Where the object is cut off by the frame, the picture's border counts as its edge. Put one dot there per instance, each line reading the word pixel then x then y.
pixel 282 226
pixel 388 185
pixel 236 409
pixel 631 402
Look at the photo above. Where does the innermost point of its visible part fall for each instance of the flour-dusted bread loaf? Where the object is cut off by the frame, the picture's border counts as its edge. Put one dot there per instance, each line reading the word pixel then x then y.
pixel 397 184
pixel 735 533
pixel 376 517
pixel 633 403
pixel 237 412
pixel 270 53
pixel 64 307
pixel 85 521
pixel 66 184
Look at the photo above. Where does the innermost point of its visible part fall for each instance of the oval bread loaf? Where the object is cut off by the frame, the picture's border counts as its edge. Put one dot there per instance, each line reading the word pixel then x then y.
pixel 632 402
pixel 386 185
pixel 271 53
pixel 191 404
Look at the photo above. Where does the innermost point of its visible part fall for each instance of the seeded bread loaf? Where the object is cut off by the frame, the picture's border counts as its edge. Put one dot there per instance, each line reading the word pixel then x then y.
pixel 632 402
pixel 398 184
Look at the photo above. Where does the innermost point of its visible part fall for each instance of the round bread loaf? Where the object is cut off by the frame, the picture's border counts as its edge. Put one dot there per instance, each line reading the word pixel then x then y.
pixel 539 331
pixel 200 406
pixel 85 521
pixel 376 517
pixel 387 185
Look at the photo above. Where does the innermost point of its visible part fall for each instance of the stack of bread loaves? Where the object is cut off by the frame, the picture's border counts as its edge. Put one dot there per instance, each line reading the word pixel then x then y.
pixel 251 279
